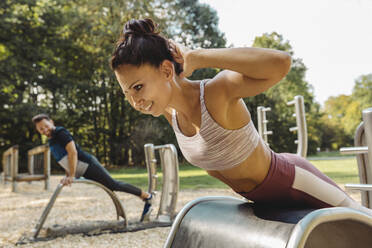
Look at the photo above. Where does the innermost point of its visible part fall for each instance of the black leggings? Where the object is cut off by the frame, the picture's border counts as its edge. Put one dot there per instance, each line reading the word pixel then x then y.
pixel 98 173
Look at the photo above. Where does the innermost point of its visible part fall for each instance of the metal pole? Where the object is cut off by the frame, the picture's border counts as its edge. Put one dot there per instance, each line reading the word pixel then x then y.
pixel 262 123
pixel 151 167
pixel 363 151
pixel 170 187
pixel 260 120
pixel 118 206
pixel 367 119
pixel 301 127
pixel 170 183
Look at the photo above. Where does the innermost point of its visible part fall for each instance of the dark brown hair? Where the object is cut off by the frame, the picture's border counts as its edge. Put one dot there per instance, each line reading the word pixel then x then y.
pixel 40 117
pixel 139 44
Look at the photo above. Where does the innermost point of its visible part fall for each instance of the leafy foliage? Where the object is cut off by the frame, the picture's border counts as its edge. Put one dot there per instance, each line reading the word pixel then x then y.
pixel 280 117
pixel 54 59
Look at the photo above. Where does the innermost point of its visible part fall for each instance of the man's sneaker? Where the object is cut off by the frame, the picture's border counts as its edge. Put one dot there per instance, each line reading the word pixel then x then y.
pixel 147 209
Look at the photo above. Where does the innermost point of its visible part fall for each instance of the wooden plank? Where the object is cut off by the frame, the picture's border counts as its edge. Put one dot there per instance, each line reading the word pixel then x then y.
pixel 9 151
pixel 100 227
pixel 38 149
pixel 27 178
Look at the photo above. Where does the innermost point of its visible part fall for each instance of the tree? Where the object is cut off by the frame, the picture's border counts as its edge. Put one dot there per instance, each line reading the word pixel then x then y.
pixel 339 122
pixel 54 58
pixel 343 114
pixel 280 118
pixel 362 91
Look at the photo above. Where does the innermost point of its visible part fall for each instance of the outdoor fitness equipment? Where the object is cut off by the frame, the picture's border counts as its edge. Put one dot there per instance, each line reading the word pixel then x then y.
pixel 217 222
pixel 262 123
pixel 300 127
pixel 169 164
pixel 38 166
pixel 363 151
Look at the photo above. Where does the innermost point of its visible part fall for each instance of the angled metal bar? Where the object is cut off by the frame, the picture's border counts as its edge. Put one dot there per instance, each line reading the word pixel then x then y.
pixel 46 211
pixel 119 208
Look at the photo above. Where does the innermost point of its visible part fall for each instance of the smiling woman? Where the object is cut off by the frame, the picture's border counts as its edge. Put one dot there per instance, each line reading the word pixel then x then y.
pixel 143 87
pixel 212 124
pixel 149 61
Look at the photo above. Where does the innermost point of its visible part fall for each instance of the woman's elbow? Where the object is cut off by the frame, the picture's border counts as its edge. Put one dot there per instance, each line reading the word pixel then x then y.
pixel 285 62
pixel 280 64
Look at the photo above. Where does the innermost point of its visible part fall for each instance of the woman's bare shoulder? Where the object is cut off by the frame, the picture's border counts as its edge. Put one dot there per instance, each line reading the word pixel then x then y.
pixel 216 87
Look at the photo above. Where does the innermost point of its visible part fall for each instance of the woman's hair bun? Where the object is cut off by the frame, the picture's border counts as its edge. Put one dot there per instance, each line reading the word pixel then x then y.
pixel 140 43
pixel 139 27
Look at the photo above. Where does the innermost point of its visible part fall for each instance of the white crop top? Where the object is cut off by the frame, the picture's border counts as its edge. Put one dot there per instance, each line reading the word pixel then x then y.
pixel 214 147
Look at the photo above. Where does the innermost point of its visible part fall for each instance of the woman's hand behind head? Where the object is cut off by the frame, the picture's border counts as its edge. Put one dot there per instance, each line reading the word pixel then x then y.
pixel 180 53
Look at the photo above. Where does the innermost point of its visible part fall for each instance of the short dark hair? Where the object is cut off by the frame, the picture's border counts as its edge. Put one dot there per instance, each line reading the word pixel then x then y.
pixel 40 117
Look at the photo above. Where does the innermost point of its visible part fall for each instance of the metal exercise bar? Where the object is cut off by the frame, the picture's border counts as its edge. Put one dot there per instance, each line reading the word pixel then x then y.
pixel 354 150
pixel 362 187
pixel 170 182
pixel 219 222
pixel 363 151
pixel 367 119
pixel 119 208
pixel 262 123
pixel 300 127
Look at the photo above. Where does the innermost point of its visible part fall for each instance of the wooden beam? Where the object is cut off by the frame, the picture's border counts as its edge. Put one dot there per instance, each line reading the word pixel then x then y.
pixel 28 178
pixel 38 149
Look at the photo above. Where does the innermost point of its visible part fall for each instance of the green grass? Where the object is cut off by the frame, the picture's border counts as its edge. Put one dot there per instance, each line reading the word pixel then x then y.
pixel 331 154
pixel 327 154
pixel 341 171
pixel 190 177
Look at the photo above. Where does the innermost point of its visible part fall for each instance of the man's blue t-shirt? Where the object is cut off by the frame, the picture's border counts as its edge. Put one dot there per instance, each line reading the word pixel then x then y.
pixel 57 143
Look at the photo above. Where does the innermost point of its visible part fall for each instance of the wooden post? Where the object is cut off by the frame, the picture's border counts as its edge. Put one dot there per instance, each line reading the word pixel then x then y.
pixel 14 167
pixel 30 162
pixel 47 166
pixel 4 167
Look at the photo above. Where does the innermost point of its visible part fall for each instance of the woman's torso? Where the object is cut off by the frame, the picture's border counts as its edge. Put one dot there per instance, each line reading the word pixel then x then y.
pixel 230 115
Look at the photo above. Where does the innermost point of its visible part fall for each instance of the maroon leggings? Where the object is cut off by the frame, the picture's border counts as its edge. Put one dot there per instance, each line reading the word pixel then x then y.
pixel 277 188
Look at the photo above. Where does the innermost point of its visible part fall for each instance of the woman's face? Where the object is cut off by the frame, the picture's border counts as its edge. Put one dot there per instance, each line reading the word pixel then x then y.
pixel 146 87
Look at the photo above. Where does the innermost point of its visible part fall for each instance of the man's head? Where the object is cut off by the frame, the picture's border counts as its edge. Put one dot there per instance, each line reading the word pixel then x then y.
pixel 44 125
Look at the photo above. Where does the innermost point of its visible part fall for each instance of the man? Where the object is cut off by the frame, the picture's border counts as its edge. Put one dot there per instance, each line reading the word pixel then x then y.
pixel 78 163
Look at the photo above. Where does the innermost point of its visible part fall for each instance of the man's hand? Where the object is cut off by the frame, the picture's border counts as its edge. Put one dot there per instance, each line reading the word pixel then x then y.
pixel 67 180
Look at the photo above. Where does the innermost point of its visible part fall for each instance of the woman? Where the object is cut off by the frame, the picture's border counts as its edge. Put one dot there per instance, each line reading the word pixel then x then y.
pixel 211 122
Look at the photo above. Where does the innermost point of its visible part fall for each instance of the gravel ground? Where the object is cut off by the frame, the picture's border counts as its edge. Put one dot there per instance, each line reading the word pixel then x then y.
pixel 19 213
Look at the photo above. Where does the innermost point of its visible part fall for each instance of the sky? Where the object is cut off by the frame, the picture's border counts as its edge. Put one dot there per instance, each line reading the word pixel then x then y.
pixel 332 37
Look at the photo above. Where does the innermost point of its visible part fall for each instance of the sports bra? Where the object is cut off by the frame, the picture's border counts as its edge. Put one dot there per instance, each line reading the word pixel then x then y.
pixel 214 147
